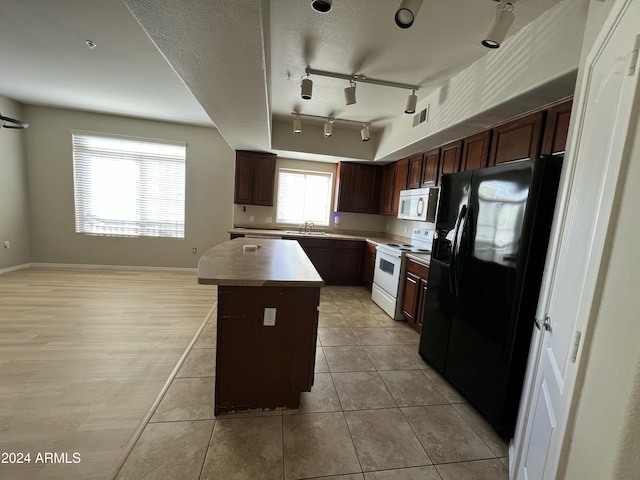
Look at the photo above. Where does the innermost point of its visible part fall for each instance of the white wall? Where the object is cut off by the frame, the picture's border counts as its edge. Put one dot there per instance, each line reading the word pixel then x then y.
pixel 14 208
pixel 209 191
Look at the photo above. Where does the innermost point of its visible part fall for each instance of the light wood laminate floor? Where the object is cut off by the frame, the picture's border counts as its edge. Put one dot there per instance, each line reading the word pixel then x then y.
pixel 84 353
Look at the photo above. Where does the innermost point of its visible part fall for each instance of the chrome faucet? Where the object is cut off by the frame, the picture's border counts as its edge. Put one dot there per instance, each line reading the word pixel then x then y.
pixel 309 226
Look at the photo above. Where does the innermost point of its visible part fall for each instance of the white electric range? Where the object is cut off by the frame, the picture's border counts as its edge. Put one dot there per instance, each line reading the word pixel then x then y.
pixel 388 286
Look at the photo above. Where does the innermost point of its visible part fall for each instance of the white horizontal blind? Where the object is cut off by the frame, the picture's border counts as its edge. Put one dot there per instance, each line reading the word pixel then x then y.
pixel 128 187
pixel 304 196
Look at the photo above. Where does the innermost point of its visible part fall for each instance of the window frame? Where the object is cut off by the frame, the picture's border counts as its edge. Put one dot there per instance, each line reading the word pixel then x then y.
pixel 317 173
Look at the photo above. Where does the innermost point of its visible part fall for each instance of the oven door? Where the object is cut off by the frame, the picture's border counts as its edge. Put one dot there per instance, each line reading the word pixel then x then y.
pixel 387 272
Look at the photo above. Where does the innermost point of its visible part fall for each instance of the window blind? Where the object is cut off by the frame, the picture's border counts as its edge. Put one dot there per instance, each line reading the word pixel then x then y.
pixel 128 187
pixel 304 196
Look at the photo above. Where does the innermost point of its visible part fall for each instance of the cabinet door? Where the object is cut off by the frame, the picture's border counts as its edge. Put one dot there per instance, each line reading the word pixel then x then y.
pixel 319 252
pixel 244 178
pixel 368 264
pixel 517 139
pixel 367 186
pixel 345 187
pixel 556 128
pixel 475 151
pixel 450 157
pixel 263 180
pixel 346 262
pixel 386 189
pixel 410 297
pixel 400 183
pixel 430 167
pixel 415 171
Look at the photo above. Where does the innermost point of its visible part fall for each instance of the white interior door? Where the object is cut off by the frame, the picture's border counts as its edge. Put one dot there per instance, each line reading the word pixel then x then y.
pixel 592 164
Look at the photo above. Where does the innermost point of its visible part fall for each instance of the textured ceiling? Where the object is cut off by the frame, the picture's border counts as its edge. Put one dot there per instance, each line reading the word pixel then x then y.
pixel 235 63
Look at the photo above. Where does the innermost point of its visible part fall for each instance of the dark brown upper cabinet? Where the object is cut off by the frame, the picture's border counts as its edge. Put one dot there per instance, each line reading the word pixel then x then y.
pixel 430 167
pixel 517 139
pixel 450 157
pixel 357 188
pixel 475 151
pixel 255 178
pixel 415 171
pixel 400 183
pixel 556 128
pixel 385 204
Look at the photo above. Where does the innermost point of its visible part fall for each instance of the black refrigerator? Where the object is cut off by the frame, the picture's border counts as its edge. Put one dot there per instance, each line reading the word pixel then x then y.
pixel 492 228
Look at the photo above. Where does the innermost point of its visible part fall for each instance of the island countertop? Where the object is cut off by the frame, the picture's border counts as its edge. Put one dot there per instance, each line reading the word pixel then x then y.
pixel 274 263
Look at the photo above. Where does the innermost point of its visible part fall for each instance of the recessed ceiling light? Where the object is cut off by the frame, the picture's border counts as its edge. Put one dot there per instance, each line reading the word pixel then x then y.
pixel 91 44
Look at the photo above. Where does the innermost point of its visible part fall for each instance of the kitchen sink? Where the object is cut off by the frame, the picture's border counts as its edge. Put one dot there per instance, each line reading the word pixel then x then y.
pixel 307 234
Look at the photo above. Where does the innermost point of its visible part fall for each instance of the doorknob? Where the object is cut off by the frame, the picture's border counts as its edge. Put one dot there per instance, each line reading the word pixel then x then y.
pixel 546 323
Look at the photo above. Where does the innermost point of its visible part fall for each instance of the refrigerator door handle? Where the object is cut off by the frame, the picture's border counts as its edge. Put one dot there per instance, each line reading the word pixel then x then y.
pixel 460 263
pixel 453 283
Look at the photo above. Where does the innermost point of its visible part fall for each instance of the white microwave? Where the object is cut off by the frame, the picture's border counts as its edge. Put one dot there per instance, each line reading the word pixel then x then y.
pixel 418 204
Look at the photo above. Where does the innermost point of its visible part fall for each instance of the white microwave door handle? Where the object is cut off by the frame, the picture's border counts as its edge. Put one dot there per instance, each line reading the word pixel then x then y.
pixel 420 206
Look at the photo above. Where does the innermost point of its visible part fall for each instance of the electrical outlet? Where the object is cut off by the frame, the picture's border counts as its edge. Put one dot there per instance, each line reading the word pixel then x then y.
pixel 406 229
pixel 251 218
pixel 7 244
pixel 269 317
pixel 268 219
pixel 194 250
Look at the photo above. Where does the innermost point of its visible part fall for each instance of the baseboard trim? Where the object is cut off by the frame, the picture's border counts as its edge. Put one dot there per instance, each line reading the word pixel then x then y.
pixel 110 267
pixel 14 268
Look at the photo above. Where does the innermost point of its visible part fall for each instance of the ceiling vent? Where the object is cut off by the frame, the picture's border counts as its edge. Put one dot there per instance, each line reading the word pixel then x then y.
pixel 421 117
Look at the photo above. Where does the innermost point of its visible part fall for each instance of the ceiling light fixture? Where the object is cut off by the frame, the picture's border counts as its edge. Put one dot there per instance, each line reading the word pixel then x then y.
pixel 350 94
pixel 406 13
pixel 13 123
pixel 356 78
pixel 412 102
pixel 500 26
pixel 328 128
pixel 365 134
pixel 297 125
pixel 328 124
pixel 90 44
pixel 306 88
pixel 322 6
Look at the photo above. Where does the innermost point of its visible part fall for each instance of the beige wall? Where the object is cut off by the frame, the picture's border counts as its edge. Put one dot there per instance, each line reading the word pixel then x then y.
pixel 209 192
pixel 14 207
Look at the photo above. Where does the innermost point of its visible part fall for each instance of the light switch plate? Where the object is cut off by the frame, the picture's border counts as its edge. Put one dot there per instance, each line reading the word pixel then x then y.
pixel 269 317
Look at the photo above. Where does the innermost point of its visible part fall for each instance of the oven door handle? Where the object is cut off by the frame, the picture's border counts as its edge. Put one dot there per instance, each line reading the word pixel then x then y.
pixel 453 281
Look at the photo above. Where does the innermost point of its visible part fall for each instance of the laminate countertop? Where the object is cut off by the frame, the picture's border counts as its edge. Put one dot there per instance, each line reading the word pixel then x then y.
pixel 275 263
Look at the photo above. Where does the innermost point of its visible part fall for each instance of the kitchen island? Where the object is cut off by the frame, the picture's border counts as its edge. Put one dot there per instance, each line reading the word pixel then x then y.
pixel 267 322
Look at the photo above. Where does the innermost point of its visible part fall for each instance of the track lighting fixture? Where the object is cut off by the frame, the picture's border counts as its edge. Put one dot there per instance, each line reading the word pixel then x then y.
pixel 328 128
pixel 306 88
pixel 322 6
pixel 500 26
pixel 350 91
pixel 350 94
pixel 328 124
pixel 364 133
pixel 407 12
pixel 412 102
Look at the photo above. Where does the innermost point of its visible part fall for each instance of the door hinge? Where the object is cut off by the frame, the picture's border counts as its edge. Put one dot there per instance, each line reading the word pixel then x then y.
pixel 546 323
pixel 576 345
pixel 633 58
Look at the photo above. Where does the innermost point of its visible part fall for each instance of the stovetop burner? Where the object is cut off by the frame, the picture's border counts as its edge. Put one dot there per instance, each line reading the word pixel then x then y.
pixel 421 239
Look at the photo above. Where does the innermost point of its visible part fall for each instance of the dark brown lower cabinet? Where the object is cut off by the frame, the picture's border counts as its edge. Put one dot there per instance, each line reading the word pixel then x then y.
pixel 260 366
pixel 415 292
pixel 368 264
pixel 339 262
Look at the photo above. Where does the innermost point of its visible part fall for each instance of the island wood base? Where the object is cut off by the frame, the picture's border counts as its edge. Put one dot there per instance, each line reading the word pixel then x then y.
pixel 265 367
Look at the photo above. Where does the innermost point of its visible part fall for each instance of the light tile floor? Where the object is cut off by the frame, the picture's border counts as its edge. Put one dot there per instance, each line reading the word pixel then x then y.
pixel 377 411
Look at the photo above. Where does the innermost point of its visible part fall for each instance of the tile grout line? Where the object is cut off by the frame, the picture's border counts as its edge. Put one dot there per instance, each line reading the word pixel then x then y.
pixel 122 458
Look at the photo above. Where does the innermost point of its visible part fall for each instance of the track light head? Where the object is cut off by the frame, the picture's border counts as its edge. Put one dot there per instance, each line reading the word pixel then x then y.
pixel 500 26
pixel 297 125
pixel 328 128
pixel 412 102
pixel 322 6
pixel 406 13
pixel 306 88
pixel 364 133
pixel 350 94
